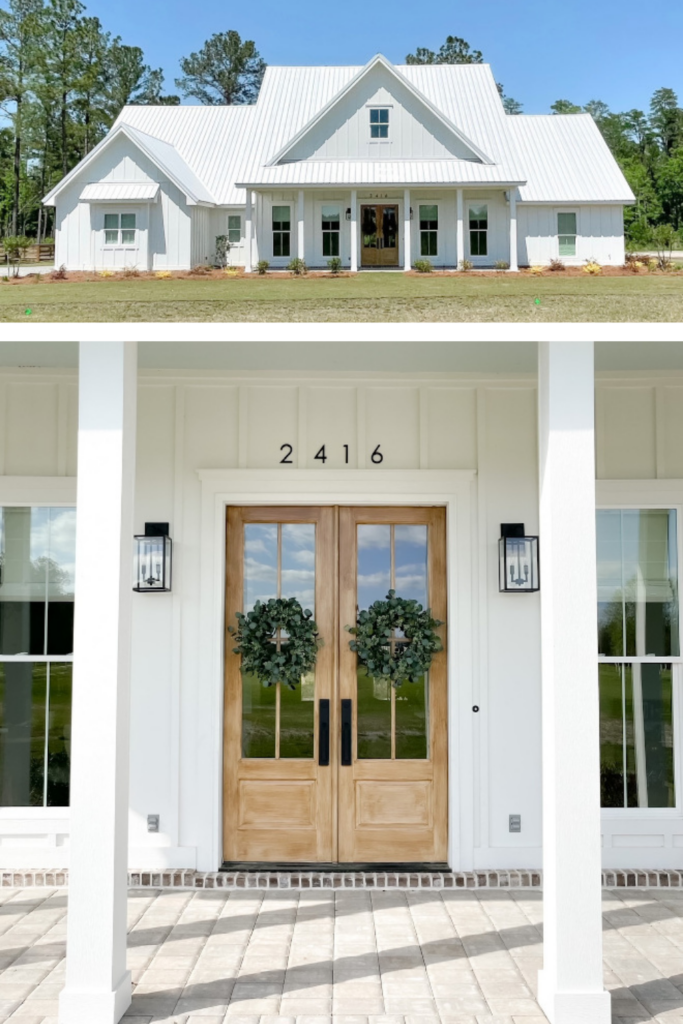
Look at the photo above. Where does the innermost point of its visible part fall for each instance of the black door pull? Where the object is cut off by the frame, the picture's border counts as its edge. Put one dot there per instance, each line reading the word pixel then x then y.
pixel 324 733
pixel 346 717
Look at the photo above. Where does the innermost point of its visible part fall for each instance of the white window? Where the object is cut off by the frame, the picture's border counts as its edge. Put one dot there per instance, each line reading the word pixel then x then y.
pixel 479 230
pixel 379 123
pixel 331 227
pixel 282 230
pixel 638 648
pixel 120 229
pixel 429 230
pixel 234 228
pixel 566 231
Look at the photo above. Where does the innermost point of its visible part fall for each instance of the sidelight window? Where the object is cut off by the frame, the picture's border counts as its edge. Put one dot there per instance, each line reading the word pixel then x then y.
pixel 429 230
pixel 331 227
pixel 638 645
pixel 479 230
pixel 282 229
pixel 37 555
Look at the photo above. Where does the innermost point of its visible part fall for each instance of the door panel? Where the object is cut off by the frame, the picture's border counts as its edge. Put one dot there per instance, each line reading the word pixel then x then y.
pixel 371 785
pixel 379 236
pixel 393 797
pixel 278 799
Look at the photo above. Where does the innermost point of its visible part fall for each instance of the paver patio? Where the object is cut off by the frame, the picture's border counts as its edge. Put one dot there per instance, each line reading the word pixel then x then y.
pixel 347 957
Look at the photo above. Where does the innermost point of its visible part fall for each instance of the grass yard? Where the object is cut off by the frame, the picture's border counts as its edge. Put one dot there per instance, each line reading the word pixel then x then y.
pixel 363 298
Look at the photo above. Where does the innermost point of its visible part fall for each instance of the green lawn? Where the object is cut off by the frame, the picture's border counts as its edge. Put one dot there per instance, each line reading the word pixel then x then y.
pixel 363 298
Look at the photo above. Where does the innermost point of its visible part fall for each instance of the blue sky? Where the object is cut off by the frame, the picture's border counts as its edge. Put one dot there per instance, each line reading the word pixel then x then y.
pixel 619 52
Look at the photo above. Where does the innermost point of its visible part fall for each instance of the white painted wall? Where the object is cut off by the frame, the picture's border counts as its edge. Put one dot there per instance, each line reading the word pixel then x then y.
pixel 600 234
pixel 198 421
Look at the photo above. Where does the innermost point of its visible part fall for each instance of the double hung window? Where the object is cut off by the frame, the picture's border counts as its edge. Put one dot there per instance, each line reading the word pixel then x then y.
pixel 331 227
pixel 379 122
pixel 479 230
pixel 37 554
pixel 429 230
pixel 282 230
pixel 120 228
pixel 638 646
pixel 234 228
pixel 566 232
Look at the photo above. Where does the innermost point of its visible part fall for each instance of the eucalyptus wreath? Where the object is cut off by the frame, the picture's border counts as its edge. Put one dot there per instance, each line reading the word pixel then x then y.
pixel 266 656
pixel 386 658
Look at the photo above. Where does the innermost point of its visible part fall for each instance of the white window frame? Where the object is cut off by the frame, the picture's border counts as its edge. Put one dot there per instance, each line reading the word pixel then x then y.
pixel 436 203
pixel 337 205
pixel 379 124
pixel 120 244
pixel 470 205
pixel 290 204
pixel 239 229
pixel 558 236
pixel 645 495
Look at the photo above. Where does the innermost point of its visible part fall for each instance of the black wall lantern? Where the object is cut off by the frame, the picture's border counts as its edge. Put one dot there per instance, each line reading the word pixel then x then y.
pixel 153 557
pixel 518 560
pixel 348 213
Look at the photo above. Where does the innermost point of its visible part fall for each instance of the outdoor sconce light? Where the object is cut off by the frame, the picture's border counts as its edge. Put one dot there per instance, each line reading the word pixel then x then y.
pixel 518 560
pixel 153 556
pixel 411 213
pixel 348 213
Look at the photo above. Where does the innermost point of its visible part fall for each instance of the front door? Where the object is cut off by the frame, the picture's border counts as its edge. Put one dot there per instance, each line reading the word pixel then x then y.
pixel 379 236
pixel 345 768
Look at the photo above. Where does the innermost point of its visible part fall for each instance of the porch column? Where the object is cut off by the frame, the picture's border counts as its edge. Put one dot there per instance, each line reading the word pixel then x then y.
pixel 407 255
pixel 300 230
pixel 248 224
pixel 570 984
pixel 98 985
pixel 354 231
pixel 460 229
pixel 513 229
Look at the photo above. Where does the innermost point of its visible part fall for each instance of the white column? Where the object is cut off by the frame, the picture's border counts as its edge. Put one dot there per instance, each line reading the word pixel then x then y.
pixel 513 229
pixel 407 255
pixel 570 984
pixel 460 229
pixel 354 230
pixel 248 225
pixel 98 985
pixel 300 228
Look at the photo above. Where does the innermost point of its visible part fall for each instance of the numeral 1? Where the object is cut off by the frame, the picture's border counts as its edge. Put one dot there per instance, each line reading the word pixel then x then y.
pixel 346 454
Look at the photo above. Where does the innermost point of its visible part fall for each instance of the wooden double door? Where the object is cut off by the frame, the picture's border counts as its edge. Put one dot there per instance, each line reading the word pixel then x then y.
pixel 379 235
pixel 346 768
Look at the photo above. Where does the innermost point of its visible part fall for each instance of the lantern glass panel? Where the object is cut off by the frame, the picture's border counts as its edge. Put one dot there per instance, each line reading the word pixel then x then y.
pixel 153 568
pixel 518 564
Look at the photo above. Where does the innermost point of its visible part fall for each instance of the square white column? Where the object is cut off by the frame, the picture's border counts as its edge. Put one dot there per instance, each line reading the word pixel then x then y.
pixel 98 984
pixel 513 229
pixel 570 984
pixel 407 243
pixel 300 226
pixel 354 231
pixel 248 229
pixel 460 229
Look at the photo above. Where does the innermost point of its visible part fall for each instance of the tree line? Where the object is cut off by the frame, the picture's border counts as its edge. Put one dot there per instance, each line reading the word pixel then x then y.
pixel 64 80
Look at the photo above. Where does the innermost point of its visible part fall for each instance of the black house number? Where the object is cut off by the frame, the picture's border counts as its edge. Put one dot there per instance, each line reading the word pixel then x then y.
pixel 321 455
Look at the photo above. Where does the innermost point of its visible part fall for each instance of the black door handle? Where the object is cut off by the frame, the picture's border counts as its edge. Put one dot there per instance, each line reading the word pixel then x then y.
pixel 324 733
pixel 346 717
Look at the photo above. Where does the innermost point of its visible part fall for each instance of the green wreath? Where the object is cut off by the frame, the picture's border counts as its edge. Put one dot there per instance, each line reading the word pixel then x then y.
pixel 399 661
pixel 264 655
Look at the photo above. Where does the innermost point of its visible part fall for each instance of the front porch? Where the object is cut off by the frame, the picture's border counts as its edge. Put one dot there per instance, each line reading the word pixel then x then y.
pixel 382 228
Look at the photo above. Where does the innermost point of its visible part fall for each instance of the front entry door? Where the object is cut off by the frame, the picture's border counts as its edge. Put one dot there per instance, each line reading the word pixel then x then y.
pixel 379 236
pixel 346 768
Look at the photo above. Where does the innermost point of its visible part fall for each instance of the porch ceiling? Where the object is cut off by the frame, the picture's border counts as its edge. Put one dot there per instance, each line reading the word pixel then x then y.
pixel 408 357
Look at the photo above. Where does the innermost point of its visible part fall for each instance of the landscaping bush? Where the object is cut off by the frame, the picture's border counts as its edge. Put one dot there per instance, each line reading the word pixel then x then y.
pixel 262 267
pixel 557 266
pixel 222 249
pixel 335 265
pixel 592 267
pixel 16 247
pixel 466 265
pixel 59 273
pixel 423 266
pixel 501 265
pixel 163 274
pixel 131 272
pixel 537 271
pixel 200 270
pixel 297 267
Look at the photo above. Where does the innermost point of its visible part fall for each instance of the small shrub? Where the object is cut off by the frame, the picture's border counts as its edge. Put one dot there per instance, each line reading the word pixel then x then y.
pixel 335 265
pixel 262 267
pixel 501 265
pixel 652 264
pixel 423 266
pixel 223 247
pixel 231 272
pixel 537 271
pixel 106 273
pixel 634 262
pixel 557 266
pixel 466 265
pixel 163 274
pixel 592 268
pixel 16 247
pixel 297 267
pixel 201 270
pixel 677 266
pixel 131 272
pixel 59 273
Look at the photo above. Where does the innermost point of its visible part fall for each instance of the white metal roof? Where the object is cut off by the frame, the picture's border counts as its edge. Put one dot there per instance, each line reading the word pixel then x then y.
pixel 210 151
pixel 125 191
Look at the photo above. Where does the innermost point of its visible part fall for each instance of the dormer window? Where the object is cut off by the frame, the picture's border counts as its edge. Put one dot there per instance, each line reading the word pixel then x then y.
pixel 379 122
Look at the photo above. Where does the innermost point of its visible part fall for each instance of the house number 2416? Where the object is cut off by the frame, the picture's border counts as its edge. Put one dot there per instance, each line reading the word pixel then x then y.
pixel 321 455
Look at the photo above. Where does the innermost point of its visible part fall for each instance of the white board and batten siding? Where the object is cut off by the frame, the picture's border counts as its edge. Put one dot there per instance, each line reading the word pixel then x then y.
pixel 600 234
pixel 188 422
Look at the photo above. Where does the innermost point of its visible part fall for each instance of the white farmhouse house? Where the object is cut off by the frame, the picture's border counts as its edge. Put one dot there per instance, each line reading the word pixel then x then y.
pixel 378 166
pixel 331 473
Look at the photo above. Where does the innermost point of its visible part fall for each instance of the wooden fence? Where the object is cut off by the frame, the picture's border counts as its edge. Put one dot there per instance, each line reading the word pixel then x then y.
pixel 34 254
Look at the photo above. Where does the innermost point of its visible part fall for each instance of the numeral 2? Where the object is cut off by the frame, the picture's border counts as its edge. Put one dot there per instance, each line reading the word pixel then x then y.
pixel 286 461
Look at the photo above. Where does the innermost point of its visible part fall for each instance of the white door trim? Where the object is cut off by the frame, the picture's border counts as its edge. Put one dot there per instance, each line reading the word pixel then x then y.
pixel 453 489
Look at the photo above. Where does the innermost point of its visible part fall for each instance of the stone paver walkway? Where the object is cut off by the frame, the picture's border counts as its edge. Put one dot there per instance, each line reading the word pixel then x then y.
pixel 344 957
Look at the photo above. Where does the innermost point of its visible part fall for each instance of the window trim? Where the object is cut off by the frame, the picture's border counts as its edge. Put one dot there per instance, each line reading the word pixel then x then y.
pixel 240 229
pixel 379 124
pixel 651 494
pixel 437 204
pixel 273 206
pixel 120 244
pixel 470 204
pixel 575 211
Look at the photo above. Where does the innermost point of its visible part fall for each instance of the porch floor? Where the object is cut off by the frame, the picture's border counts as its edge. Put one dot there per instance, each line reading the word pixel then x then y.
pixel 342 957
